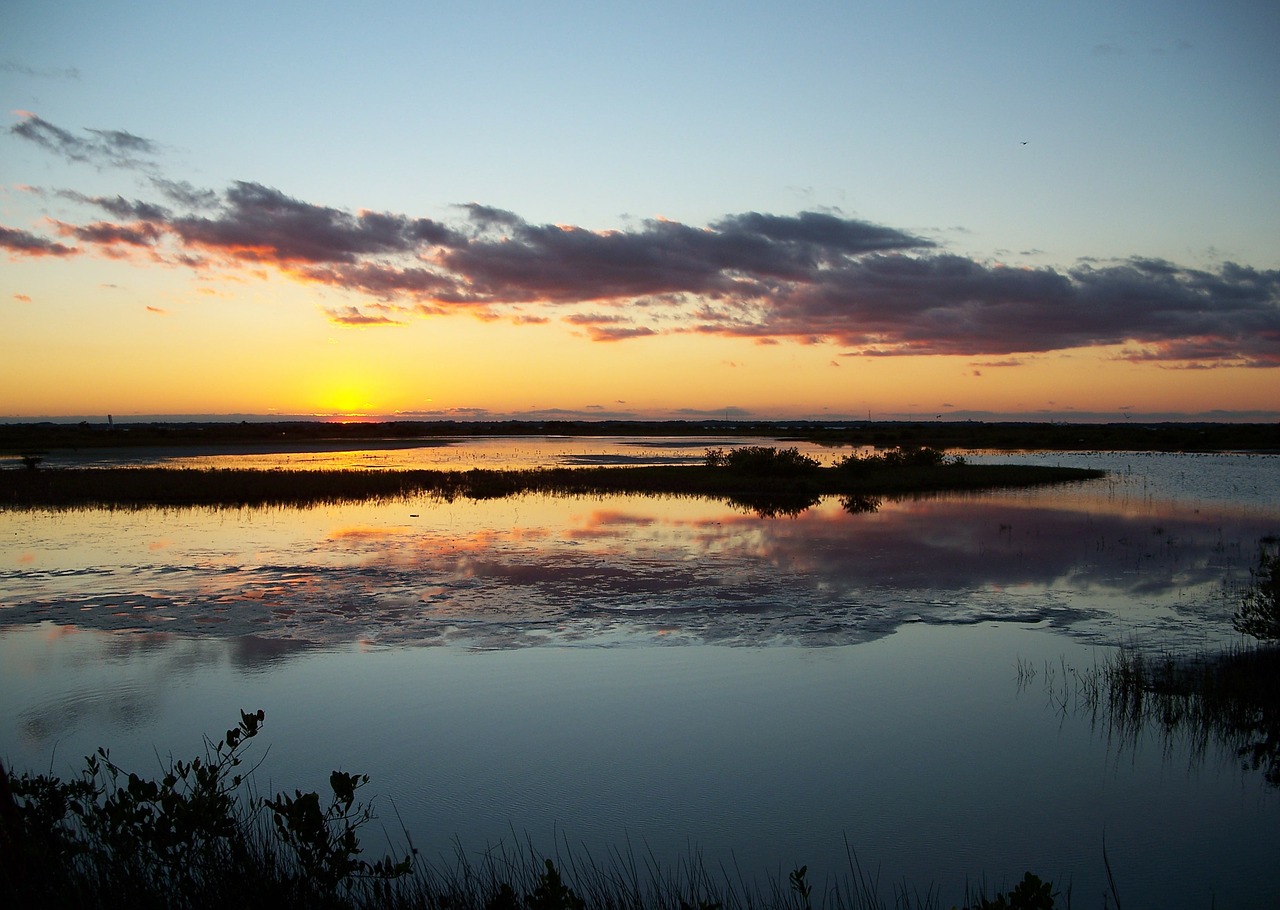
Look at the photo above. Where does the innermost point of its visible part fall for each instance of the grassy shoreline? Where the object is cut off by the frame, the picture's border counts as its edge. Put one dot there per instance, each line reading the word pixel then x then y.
pixel 779 492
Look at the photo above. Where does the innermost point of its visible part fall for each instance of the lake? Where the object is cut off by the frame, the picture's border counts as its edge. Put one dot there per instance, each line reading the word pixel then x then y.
pixel 666 674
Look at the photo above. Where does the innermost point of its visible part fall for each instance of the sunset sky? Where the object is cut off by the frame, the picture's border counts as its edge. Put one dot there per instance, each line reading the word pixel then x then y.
pixel 810 209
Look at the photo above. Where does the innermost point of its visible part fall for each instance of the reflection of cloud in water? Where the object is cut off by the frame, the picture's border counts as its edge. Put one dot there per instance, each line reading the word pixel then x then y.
pixel 128 703
pixel 628 566
pixel 126 706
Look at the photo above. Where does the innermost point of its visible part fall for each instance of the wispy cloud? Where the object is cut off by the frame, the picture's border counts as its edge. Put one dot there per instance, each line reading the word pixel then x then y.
pixel 114 148
pixel 354 316
pixel 39 72
pixel 813 277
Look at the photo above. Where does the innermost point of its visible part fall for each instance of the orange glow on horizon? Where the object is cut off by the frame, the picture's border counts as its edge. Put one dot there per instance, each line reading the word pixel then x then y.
pixel 266 348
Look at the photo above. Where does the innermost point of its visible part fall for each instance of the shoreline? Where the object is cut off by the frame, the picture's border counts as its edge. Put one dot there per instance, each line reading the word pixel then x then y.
pixel 769 494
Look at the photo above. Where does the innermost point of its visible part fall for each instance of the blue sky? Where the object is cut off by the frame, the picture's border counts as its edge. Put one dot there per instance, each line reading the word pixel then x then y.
pixel 1010 134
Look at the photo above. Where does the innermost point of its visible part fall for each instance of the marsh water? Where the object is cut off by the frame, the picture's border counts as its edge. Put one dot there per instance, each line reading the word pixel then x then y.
pixel 673 676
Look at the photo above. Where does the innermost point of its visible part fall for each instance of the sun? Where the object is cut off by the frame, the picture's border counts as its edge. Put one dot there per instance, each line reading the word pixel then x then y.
pixel 345 399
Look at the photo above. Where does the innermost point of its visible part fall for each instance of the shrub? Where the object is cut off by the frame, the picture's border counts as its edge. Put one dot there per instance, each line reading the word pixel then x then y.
pixel 761 460
pixel 921 456
pixel 1030 894
pixel 112 838
pixel 1259 611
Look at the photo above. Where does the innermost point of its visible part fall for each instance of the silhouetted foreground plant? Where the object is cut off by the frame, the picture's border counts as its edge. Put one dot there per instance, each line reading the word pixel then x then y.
pixel 194 839
pixel 1029 894
pixel 1259 611
pixel 110 838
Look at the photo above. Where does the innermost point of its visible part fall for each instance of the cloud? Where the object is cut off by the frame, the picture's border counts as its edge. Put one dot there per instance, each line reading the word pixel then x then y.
pixel 115 148
pixel 726 413
pixel 24 243
pixel 353 316
pixel 608 327
pixel 262 224
pixel 106 234
pixel 619 333
pixel 183 193
pixel 946 304
pixel 22 69
pixel 810 278
pixel 119 206
pixel 739 255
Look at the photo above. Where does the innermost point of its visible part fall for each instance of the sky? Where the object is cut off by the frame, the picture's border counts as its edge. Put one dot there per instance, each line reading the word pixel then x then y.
pixel 818 210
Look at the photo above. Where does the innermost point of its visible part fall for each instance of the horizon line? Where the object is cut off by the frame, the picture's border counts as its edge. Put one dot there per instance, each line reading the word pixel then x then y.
pixel 724 416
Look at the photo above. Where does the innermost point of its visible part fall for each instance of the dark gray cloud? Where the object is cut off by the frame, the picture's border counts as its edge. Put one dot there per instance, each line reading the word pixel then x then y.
pixel 741 255
pixel 183 193
pixel 24 243
pixel 106 234
pixel 813 277
pixel 819 235
pixel 121 207
pixel 946 304
pixel 263 224
pixel 114 148
pixel 387 282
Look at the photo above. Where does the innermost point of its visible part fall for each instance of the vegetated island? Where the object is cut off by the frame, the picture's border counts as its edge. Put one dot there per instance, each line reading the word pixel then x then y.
pixel 765 480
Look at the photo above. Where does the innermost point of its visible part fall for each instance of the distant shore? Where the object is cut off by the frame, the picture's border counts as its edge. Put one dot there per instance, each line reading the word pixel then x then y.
pixel 287 436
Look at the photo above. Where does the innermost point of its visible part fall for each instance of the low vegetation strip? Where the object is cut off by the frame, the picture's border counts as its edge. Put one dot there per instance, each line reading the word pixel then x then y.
pixel 802 483
pixel 1128 435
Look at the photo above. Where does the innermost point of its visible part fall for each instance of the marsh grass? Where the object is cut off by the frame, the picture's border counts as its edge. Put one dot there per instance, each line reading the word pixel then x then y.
pixel 769 484
pixel 1228 701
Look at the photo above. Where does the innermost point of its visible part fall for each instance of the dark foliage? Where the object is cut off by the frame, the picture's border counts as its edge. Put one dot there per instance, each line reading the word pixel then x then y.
pixel 1259 611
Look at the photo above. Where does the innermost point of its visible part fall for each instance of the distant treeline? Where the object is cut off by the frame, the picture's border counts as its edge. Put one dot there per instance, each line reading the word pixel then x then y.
pixel 37 438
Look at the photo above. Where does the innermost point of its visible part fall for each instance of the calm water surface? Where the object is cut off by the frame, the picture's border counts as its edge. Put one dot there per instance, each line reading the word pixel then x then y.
pixel 675 673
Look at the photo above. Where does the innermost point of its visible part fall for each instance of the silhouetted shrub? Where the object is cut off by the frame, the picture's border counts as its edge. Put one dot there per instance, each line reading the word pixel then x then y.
pixel 110 838
pixel 762 460
pixel 1259 611
pixel 920 456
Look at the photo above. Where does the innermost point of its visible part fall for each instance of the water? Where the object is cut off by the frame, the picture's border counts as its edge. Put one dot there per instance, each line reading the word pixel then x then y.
pixel 673 673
